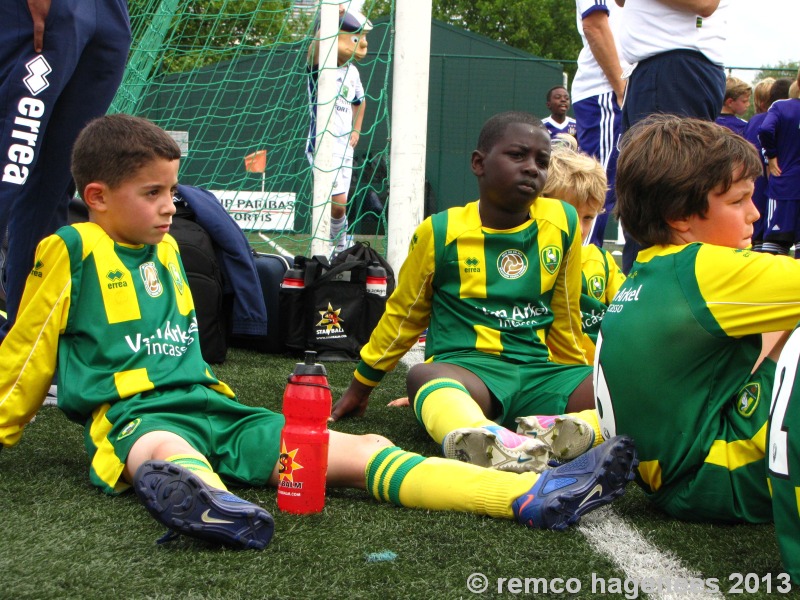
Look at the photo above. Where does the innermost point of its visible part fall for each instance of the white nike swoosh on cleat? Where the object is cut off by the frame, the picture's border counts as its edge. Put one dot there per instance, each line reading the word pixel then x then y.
pixel 206 518
pixel 596 491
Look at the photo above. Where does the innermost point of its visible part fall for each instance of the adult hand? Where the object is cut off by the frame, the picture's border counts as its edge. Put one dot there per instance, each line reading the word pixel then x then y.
pixel 354 137
pixel 353 402
pixel 39 11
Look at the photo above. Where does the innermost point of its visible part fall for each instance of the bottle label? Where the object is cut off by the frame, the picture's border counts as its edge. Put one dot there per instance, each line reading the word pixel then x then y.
pixel 376 285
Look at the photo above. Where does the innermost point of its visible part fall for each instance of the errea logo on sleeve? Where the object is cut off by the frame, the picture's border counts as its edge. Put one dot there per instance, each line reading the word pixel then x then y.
pixel 37 269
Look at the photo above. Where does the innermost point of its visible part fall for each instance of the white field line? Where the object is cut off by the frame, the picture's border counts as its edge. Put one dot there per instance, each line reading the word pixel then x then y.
pixel 278 249
pixel 640 560
pixel 637 558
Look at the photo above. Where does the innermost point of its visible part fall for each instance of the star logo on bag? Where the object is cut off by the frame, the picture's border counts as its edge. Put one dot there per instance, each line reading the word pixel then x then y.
pixel 330 318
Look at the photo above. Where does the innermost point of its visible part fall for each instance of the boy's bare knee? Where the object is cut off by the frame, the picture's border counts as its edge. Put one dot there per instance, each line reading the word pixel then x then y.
pixel 373 440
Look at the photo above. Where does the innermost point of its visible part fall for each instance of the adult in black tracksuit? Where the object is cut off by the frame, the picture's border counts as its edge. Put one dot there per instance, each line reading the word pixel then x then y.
pixel 61 62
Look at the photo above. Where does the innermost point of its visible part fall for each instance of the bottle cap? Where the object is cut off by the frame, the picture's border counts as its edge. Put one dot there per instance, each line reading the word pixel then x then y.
pixel 310 366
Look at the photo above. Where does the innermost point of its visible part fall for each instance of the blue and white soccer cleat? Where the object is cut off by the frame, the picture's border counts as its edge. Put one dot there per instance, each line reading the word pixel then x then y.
pixel 567 436
pixel 186 504
pixel 562 495
pixel 496 447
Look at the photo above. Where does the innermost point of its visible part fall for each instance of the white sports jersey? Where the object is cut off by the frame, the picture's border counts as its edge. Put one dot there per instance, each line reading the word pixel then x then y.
pixel 350 93
pixel 590 79
pixel 650 27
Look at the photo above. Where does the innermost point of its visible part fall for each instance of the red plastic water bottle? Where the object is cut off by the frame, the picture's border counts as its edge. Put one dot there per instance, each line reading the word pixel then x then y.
pixel 304 440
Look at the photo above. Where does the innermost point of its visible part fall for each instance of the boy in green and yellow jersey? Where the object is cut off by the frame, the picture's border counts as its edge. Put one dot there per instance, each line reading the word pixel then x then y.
pixel 497 283
pixel 683 364
pixel 580 180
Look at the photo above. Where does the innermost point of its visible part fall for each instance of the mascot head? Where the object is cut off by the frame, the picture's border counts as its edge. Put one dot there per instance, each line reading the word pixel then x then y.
pixel 352 38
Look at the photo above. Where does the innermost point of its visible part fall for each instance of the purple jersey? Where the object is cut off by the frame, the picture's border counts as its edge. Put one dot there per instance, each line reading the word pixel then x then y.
pixel 568 126
pixel 779 138
pixel 732 122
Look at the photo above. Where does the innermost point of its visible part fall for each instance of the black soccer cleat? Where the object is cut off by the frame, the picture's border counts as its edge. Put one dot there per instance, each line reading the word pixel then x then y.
pixel 186 504
pixel 562 495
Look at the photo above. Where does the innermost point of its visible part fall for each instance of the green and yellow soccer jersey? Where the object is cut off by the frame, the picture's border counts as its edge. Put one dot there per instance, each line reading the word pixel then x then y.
pixel 512 293
pixel 783 455
pixel 120 319
pixel 678 344
pixel 601 278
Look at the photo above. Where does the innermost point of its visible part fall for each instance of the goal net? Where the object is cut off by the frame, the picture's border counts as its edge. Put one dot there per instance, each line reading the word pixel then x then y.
pixel 229 80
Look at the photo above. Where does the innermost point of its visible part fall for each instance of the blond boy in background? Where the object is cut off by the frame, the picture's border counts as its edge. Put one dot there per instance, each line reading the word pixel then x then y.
pixel 579 180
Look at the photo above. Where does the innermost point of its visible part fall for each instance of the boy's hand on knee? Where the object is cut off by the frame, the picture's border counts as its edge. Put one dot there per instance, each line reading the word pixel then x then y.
pixel 353 402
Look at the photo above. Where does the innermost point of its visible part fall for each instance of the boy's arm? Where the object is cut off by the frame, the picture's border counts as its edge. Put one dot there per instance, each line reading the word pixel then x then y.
pixel 28 354
pixel 407 315
pixel 358 120
pixel 565 336
pixel 615 278
pixel 766 134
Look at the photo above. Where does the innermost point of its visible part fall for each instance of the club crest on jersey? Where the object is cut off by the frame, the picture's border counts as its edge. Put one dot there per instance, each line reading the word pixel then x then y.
pixel 551 258
pixel 128 429
pixel 152 284
pixel 512 264
pixel 747 399
pixel 597 286
pixel 176 277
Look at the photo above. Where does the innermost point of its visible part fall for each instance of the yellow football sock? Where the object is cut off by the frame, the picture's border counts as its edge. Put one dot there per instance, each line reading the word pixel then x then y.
pixel 593 419
pixel 442 405
pixel 198 465
pixel 411 480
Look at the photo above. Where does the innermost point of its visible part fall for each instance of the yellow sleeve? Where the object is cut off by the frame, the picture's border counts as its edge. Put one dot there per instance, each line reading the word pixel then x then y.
pixel 615 278
pixel 28 354
pixel 565 339
pixel 408 310
pixel 749 292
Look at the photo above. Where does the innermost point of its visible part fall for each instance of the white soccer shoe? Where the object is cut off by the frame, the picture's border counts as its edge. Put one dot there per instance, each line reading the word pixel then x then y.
pixel 567 436
pixel 494 447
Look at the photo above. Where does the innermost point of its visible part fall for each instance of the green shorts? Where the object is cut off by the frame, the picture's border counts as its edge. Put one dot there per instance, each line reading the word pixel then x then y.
pixel 522 389
pixel 737 491
pixel 241 442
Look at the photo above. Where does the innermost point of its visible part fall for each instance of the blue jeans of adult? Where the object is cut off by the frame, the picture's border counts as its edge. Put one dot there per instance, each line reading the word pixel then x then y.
pixel 679 82
pixel 45 100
